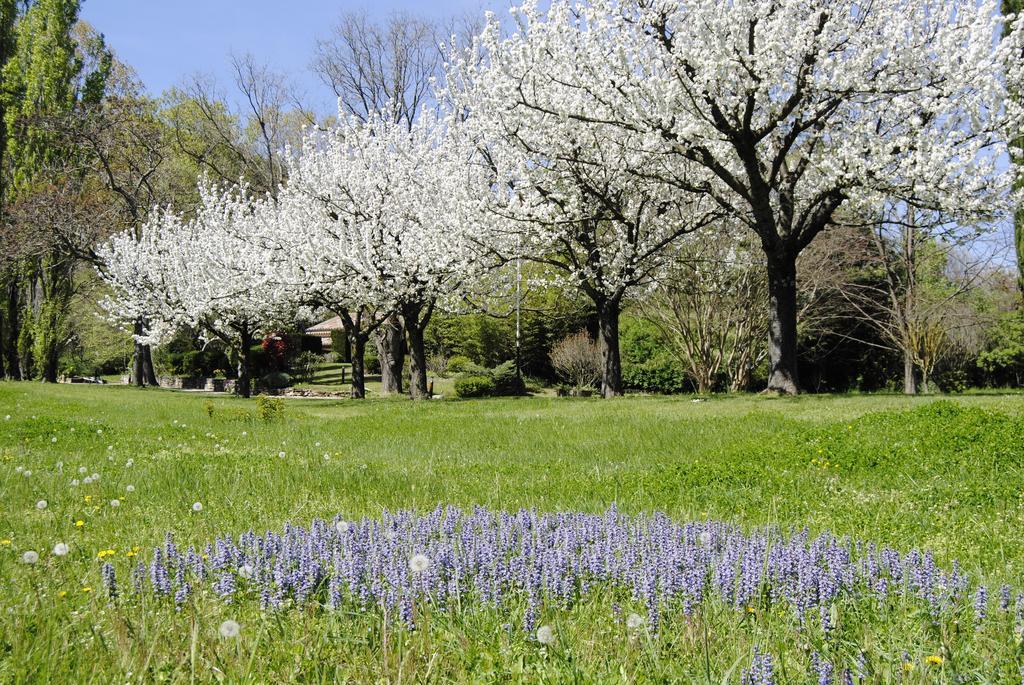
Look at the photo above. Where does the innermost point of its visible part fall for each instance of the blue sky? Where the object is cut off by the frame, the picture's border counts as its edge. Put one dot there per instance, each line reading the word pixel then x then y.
pixel 166 40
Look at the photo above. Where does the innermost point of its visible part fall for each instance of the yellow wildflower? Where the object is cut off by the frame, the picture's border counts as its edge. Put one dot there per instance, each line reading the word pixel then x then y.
pixel 934 659
pixel 62 593
pixel 5 542
pixel 130 553
pixel 88 498
pixel 79 523
pixel 907 666
pixel 87 589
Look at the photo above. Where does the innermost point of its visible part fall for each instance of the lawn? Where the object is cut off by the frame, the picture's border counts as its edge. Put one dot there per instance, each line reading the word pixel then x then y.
pixel 944 475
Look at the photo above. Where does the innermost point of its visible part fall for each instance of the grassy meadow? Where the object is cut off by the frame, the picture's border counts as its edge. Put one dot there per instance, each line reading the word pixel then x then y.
pixel 944 475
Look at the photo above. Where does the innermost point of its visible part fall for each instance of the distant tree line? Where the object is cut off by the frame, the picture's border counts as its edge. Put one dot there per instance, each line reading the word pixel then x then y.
pixel 748 241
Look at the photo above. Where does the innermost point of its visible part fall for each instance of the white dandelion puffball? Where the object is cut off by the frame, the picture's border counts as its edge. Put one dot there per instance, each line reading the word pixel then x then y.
pixel 99 431
pixel 19 469
pixel 545 635
pixel 115 502
pixel 41 504
pixel 342 527
pixel 198 506
pixel 87 480
pixel 327 457
pixel 26 473
pixel 130 462
pixel 95 476
pixel 60 466
pixel 419 563
pixel 83 470
pixel 245 571
pixel 129 488
pixel 74 482
pixel 230 628
pixel 30 557
pixel 60 549
pixel 634 621
pixel 282 455
pixel 53 439
pixel 7 418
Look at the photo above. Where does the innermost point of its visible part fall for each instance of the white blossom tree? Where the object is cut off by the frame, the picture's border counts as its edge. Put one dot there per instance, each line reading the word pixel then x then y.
pixel 574 191
pixel 209 272
pixel 382 218
pixel 783 112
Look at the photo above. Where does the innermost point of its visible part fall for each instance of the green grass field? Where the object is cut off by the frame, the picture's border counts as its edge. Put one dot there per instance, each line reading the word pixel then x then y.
pixel 944 475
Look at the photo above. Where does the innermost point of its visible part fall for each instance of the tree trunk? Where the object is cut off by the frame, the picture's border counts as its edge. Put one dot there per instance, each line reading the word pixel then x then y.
pixel 909 376
pixel 148 369
pixel 608 333
pixel 782 338
pixel 391 352
pixel 358 342
pixel 415 321
pixel 138 375
pixel 10 341
pixel 243 386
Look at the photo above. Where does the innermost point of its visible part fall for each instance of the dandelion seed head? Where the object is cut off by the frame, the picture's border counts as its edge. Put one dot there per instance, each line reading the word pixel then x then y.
pixel 60 549
pixel 41 504
pixel 197 506
pixel 342 527
pixel 115 502
pixel 30 557
pixel 419 563
pixel 230 629
pixel 634 621
pixel 545 635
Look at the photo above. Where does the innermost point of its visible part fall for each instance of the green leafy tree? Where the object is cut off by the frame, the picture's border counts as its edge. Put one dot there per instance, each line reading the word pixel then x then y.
pixel 53 67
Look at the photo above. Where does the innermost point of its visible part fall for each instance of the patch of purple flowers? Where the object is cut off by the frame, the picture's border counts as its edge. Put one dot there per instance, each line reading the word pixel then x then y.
pixel 526 562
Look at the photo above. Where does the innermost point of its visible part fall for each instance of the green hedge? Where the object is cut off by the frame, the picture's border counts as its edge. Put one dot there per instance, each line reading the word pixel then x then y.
pixel 474 386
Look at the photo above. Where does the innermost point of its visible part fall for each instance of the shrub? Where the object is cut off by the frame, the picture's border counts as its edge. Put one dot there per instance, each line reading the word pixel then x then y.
pixel 310 343
pixel 305 365
pixel 192 363
pixel 661 374
pixel 474 386
pixel 269 408
pixel 577 359
pixel 276 380
pixel 506 380
pixel 438 364
pixel 459 364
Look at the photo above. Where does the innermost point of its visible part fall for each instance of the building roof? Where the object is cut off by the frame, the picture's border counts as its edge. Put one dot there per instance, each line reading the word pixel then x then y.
pixel 332 324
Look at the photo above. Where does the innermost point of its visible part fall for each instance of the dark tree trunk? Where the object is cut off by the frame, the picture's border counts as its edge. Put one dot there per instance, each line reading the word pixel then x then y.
pixel 138 376
pixel 358 342
pixel 148 369
pixel 51 362
pixel 415 318
pixel 10 341
pixel 782 338
pixel 391 352
pixel 243 386
pixel 608 334
pixel 909 376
